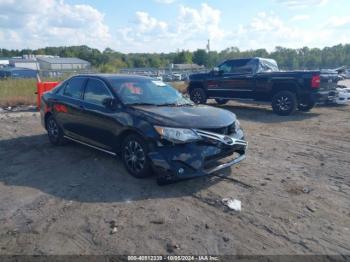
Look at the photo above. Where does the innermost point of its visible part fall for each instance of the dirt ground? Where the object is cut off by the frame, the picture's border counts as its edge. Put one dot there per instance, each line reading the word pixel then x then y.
pixel 63 200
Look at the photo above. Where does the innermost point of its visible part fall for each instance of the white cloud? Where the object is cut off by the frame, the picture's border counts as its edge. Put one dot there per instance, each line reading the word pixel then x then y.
pixel 165 1
pixel 192 28
pixel 267 30
pixel 300 17
pixel 147 23
pixel 338 21
pixel 302 3
pixel 38 23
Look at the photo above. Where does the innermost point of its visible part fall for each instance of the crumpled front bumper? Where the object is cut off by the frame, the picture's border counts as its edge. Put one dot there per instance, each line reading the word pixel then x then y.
pixel 183 161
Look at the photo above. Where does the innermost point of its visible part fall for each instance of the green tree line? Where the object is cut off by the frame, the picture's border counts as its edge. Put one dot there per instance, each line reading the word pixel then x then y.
pixel 111 61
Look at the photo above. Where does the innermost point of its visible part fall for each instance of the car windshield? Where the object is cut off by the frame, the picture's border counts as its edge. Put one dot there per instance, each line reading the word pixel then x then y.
pixel 147 92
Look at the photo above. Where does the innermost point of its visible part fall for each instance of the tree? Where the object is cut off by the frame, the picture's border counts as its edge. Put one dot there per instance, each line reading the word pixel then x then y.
pixel 183 57
pixel 201 57
pixel 111 61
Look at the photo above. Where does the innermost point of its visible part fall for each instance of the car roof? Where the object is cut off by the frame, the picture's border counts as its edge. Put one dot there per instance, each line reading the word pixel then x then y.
pixel 116 76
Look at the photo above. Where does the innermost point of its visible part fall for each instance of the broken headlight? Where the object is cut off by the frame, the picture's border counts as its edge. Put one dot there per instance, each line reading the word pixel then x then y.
pixel 177 135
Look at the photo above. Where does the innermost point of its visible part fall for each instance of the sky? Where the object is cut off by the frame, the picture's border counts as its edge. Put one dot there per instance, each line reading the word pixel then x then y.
pixel 156 26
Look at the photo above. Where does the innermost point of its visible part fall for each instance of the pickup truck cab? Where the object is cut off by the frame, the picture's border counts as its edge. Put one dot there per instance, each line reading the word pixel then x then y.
pixel 260 79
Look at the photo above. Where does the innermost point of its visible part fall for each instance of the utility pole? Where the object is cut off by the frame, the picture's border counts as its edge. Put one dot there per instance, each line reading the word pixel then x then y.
pixel 208 46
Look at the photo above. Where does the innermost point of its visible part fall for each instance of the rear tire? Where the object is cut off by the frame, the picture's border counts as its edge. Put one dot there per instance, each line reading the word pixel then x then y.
pixel 54 131
pixel 198 95
pixel 284 103
pixel 306 106
pixel 134 154
pixel 221 101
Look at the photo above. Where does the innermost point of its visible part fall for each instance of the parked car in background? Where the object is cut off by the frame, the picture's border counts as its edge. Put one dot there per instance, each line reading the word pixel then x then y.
pixel 176 77
pixel 347 73
pixel 260 79
pixel 167 78
pixel 145 121
pixel 342 95
pixel 16 72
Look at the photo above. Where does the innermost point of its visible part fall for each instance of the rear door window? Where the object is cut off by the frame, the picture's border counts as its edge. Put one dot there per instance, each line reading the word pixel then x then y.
pixel 74 87
pixel 96 91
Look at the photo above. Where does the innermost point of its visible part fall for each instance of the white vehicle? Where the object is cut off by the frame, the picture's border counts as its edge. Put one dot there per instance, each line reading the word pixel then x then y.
pixel 347 73
pixel 159 78
pixel 343 95
pixel 177 77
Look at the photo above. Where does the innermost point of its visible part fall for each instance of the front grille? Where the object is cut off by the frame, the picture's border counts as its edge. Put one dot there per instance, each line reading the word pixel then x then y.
pixel 228 130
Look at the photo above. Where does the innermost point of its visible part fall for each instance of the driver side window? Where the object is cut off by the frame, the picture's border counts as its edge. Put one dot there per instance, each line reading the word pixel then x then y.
pixel 225 68
pixel 96 92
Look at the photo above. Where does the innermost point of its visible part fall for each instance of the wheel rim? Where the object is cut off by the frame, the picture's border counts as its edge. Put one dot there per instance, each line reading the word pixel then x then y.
pixel 134 156
pixel 52 128
pixel 196 97
pixel 284 103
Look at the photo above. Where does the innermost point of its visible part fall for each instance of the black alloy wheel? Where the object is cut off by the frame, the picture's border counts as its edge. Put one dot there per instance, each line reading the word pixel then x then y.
pixel 198 96
pixel 54 131
pixel 134 154
pixel 284 103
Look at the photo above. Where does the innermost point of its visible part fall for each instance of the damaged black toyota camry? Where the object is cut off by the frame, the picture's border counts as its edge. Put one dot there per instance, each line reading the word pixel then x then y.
pixel 145 121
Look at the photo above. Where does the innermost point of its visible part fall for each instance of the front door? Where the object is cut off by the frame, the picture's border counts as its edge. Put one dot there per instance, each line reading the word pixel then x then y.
pixel 237 79
pixel 100 125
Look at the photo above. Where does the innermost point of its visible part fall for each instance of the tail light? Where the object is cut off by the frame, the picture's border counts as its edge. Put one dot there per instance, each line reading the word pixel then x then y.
pixel 315 81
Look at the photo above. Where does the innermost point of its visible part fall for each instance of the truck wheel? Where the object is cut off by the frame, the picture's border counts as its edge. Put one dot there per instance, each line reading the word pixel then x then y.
pixel 198 96
pixel 221 101
pixel 306 106
pixel 284 103
pixel 134 155
pixel 54 131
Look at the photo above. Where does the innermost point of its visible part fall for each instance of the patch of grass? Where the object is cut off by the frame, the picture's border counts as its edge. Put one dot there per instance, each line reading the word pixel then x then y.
pixel 14 92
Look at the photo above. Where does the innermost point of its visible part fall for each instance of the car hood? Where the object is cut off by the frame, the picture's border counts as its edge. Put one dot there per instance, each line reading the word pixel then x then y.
pixel 198 116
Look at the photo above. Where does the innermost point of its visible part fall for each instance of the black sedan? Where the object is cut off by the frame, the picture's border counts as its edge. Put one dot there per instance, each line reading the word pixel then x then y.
pixel 145 121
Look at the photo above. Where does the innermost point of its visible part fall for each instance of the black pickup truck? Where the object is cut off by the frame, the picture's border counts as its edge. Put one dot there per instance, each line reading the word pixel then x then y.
pixel 260 79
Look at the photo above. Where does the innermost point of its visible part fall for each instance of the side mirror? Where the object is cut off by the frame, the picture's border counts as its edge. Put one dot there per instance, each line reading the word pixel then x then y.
pixel 110 103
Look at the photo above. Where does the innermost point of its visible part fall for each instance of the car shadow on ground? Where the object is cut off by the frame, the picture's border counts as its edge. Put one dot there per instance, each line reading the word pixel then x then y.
pixel 78 173
pixel 263 113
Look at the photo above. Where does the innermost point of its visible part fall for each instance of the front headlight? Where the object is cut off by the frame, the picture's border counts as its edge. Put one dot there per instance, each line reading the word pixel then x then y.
pixel 237 126
pixel 177 135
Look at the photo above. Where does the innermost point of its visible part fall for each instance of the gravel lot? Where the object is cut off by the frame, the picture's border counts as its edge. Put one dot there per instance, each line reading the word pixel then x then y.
pixel 295 193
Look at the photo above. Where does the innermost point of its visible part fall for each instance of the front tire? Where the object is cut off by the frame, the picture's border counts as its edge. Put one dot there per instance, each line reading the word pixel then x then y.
pixel 284 103
pixel 134 155
pixel 198 96
pixel 54 131
pixel 221 101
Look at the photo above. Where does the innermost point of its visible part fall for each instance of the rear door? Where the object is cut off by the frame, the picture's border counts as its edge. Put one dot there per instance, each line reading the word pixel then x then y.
pixel 238 79
pixel 68 107
pixel 100 126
